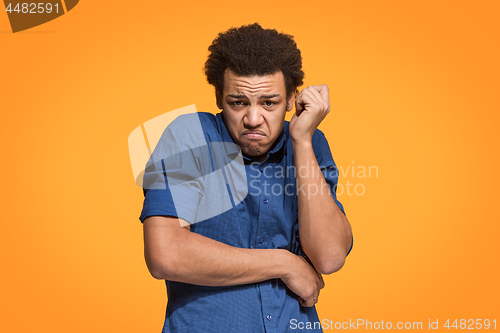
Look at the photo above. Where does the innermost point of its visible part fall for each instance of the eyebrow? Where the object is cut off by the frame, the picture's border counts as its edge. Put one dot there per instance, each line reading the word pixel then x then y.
pixel 262 96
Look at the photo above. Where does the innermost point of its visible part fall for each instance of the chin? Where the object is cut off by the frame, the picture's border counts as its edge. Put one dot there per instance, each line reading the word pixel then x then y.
pixel 253 151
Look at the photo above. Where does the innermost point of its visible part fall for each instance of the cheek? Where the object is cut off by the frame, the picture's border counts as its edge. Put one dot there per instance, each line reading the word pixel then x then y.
pixel 232 124
pixel 276 126
pixel 235 126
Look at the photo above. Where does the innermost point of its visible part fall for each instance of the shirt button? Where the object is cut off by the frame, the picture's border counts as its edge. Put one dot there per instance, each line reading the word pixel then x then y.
pixel 261 169
pixel 266 201
pixel 269 317
pixel 261 240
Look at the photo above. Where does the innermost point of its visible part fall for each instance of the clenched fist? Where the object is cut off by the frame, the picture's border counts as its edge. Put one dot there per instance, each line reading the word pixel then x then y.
pixel 311 107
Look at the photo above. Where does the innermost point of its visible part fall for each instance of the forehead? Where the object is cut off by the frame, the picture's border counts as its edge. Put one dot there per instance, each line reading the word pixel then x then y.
pixel 253 84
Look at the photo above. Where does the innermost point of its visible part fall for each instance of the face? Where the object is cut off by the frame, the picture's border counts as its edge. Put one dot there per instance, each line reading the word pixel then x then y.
pixel 254 109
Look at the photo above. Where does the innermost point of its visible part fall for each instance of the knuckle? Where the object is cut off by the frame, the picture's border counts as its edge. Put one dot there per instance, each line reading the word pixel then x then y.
pixel 310 293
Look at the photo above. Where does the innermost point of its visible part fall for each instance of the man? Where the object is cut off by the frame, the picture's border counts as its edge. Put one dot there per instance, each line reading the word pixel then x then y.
pixel 246 269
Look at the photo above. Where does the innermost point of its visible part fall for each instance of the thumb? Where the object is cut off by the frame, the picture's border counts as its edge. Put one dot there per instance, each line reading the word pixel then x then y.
pixel 299 107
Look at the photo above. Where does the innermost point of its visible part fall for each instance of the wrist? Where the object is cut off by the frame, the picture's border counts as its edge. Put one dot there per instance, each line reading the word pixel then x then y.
pixel 282 263
pixel 301 143
pixel 286 270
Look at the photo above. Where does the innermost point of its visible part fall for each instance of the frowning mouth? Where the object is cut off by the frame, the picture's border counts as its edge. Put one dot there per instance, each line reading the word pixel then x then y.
pixel 254 134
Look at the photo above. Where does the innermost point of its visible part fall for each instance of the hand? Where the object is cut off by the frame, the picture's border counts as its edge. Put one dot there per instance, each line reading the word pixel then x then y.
pixel 311 107
pixel 304 281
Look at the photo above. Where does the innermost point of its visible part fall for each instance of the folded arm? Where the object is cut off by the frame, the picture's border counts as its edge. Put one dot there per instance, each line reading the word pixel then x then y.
pixel 174 253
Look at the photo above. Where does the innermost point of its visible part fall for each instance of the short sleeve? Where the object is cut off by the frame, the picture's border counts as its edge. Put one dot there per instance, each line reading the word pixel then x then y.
pixel 328 168
pixel 327 164
pixel 173 177
pixel 159 196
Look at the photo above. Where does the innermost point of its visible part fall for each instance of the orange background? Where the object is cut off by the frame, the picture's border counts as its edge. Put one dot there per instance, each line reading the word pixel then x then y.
pixel 414 91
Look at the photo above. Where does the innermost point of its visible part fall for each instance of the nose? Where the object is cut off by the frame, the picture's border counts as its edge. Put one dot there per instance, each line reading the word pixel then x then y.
pixel 253 117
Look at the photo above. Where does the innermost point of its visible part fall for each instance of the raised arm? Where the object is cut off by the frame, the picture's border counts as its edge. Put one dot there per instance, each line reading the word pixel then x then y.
pixel 174 253
pixel 325 232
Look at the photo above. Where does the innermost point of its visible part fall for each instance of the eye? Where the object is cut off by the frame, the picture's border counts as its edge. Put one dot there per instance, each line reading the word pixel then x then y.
pixel 269 103
pixel 237 103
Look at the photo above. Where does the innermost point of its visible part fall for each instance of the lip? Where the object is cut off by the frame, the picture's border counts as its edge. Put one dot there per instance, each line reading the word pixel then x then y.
pixel 254 134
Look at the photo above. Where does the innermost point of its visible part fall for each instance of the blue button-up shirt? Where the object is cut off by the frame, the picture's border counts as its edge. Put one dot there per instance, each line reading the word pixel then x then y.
pixel 265 219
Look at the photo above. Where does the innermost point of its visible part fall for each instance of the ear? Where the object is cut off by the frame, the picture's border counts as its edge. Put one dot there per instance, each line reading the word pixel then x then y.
pixel 289 102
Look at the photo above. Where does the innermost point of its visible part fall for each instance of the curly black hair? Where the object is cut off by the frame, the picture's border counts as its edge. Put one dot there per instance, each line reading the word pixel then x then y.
pixel 251 50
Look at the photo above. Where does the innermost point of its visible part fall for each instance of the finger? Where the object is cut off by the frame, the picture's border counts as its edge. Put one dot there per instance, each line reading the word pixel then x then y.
pixel 318 292
pixel 322 284
pixel 312 93
pixel 299 106
pixel 309 303
pixel 324 103
pixel 324 91
pixel 305 303
pixel 319 106
pixel 305 98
